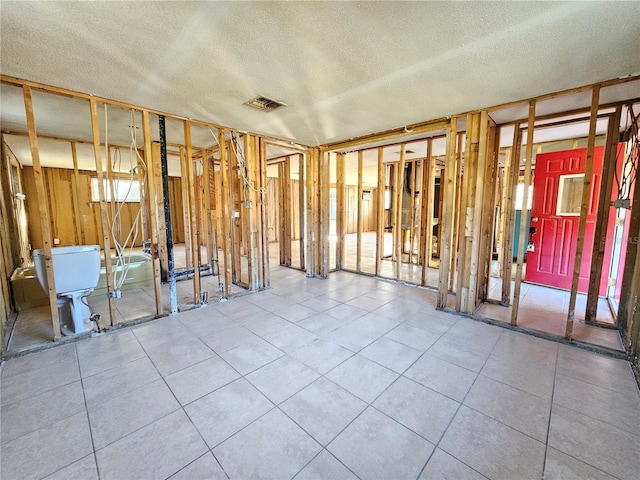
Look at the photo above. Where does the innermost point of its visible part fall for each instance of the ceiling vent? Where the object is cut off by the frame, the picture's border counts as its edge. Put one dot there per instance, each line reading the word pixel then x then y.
pixel 264 104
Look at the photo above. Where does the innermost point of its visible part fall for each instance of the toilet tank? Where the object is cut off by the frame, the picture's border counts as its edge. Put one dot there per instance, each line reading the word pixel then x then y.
pixel 74 267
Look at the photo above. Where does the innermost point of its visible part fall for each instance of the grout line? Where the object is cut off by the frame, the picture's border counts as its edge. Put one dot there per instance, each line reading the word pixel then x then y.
pixel 553 389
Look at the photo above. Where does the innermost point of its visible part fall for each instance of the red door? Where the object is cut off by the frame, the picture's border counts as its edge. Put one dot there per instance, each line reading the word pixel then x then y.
pixel 555 215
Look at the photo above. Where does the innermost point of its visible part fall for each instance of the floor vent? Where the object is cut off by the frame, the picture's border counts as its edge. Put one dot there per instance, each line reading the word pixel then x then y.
pixel 264 104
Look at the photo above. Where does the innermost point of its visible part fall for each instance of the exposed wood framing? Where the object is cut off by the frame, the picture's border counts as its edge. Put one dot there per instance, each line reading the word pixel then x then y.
pixel 193 207
pixel 427 203
pixel 42 209
pixel 153 214
pixel 450 177
pixel 77 216
pixel 303 172
pixel 340 211
pixel 359 216
pixel 465 217
pixel 380 212
pixel 225 208
pixel 263 226
pixel 490 176
pixel 186 208
pixel 324 175
pixel 312 222
pixel 457 211
pixel 586 190
pixel 524 226
pixel 398 235
pixel 602 217
pixel 159 207
pixel 412 209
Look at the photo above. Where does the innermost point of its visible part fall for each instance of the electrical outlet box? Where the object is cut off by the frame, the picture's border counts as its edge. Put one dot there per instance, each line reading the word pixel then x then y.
pixel 56 241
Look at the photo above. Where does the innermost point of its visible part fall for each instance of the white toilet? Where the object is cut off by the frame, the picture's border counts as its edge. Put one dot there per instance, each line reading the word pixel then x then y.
pixel 76 270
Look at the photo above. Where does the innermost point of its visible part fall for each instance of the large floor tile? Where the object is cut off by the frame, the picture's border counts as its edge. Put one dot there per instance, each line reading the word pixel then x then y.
pixel 596 443
pixel 107 351
pixel 325 466
pixel 441 376
pixel 271 447
pixel 130 411
pixel 322 324
pixel 204 468
pixel 600 403
pixel 33 413
pixel 47 450
pixel 464 353
pixel 179 356
pixel 560 466
pixel 516 408
pixel 156 451
pixel 413 337
pixel 290 338
pixel 363 378
pixel 429 323
pixel 295 313
pixel 61 357
pixel 418 408
pixel 321 355
pixel 112 383
pixel 250 356
pixel 320 303
pixel 374 446
pixel 323 409
pixel 443 466
pixel 282 378
pixel 530 378
pixel 222 413
pixel 391 354
pixel 492 448
pixel 83 469
pixel 229 338
pixel 200 379
pixel 164 331
pixel 513 346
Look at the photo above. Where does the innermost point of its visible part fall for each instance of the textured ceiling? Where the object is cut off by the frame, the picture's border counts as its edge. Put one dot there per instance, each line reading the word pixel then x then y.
pixel 344 69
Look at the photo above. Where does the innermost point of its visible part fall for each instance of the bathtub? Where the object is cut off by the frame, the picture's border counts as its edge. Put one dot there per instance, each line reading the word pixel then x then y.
pixel 27 292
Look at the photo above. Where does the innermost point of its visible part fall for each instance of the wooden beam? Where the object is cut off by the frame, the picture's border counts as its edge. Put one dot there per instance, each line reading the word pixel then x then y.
pixel 586 191
pixel 359 217
pixel 380 213
pixel 225 213
pixel 153 214
pixel 281 214
pixel 397 229
pixel 310 180
pixel 489 211
pixel 324 175
pixel 524 226
pixel 42 210
pixel 193 207
pixel 340 210
pixel 457 212
pixel 428 199
pixel 263 226
pixel 412 210
pixel 156 177
pixel 186 208
pixel 510 215
pixel 78 221
pixel 450 172
pixel 287 218
pixel 602 217
pixel 464 216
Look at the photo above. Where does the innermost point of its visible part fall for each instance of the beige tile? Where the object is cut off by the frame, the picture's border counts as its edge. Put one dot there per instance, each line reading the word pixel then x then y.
pixel 441 376
pixel 321 355
pixel 323 409
pixel 229 338
pixel 497 400
pixel 130 411
pixel 560 466
pixel 325 466
pixel 528 377
pixel 445 467
pixel 418 408
pixel 156 451
pixel 179 355
pixel 295 313
pixel 374 446
pixel 200 379
pixel 491 448
pixel 390 354
pixel 290 338
pixel 413 337
pixel 320 303
pixel 222 413
pixel 107 351
pixel 464 353
pixel 265 323
pixel 271 447
pixel 26 416
pixel 83 469
pixel 282 378
pixel 66 442
pixel 204 468
pixel 596 443
pixel 252 355
pixel 363 378
pixel 164 331
pixel 322 324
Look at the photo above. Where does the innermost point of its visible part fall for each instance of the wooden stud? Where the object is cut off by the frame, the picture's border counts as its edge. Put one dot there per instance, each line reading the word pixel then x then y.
pixel 510 215
pixel 340 210
pixel 311 212
pixel 186 208
pixel 78 220
pixel 464 217
pixel 586 191
pixel 207 211
pixel 153 214
pixel 156 171
pixel 144 209
pixel 193 207
pixel 524 226
pixel 281 214
pixel 287 217
pixel 324 175
pixel 456 212
pixel 263 227
pixel 602 218
pixel 412 210
pixel 42 209
pixel 225 209
pixel 301 207
pixel 450 172
pixel 397 232
pixel 380 213
pixel 359 217
pixel 428 199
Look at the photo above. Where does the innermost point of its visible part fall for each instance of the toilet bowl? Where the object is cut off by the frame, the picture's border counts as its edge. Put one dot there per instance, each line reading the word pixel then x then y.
pixel 76 270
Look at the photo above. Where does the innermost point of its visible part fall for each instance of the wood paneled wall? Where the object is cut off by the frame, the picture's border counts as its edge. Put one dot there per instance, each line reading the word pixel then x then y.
pixel 81 225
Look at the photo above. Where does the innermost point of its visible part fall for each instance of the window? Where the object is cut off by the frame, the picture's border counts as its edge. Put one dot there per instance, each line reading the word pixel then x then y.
pixel 125 190
pixel 570 195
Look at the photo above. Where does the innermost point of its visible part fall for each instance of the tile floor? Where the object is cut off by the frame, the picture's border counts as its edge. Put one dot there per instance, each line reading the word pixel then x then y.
pixel 344 378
